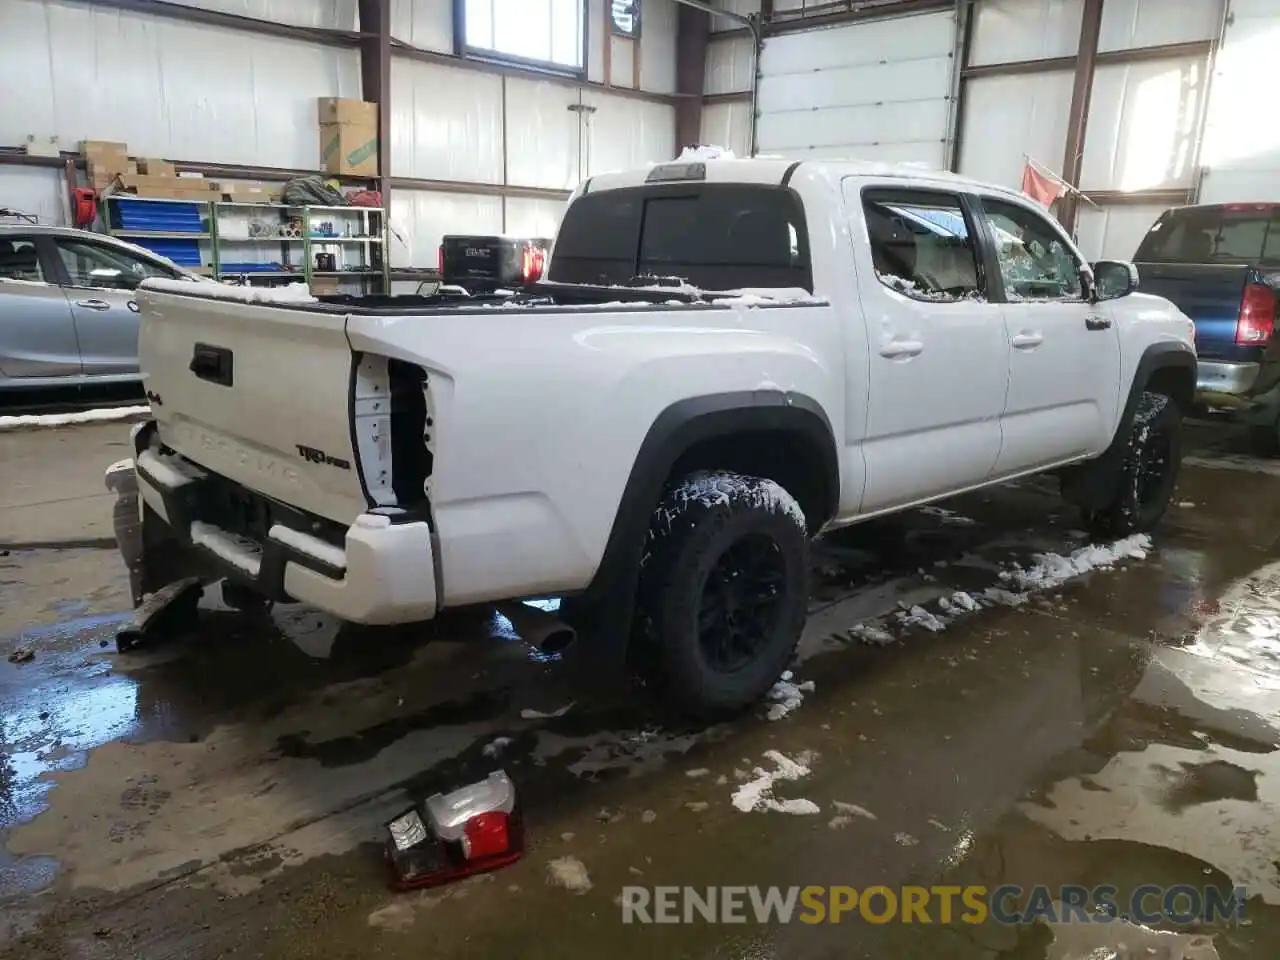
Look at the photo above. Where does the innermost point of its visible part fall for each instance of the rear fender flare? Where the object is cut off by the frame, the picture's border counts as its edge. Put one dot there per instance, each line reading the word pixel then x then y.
pixel 675 431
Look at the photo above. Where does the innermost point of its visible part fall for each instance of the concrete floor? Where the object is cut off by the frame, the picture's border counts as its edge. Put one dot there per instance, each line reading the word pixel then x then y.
pixel 223 794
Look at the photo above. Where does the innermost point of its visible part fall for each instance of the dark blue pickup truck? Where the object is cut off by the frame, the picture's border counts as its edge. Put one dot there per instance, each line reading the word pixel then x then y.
pixel 1220 265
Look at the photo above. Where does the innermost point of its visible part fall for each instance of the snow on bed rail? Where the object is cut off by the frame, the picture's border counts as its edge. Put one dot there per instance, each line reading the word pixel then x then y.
pixel 292 293
pixel 37 420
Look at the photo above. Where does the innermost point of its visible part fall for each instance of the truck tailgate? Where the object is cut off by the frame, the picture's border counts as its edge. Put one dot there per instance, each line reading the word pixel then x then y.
pixel 1207 293
pixel 260 394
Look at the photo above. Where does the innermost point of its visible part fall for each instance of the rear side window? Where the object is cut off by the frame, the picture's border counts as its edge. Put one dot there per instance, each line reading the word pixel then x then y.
pixel 921 244
pixel 19 260
pixel 715 236
pixel 1214 235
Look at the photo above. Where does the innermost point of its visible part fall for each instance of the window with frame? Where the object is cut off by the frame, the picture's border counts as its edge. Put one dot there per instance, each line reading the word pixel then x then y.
pixel 921 245
pixel 716 236
pixel 1237 233
pixel 543 32
pixel 1035 261
pixel 96 265
pixel 20 260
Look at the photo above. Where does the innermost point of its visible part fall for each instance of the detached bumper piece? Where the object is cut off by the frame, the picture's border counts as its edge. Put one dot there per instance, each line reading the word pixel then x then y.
pixel 450 836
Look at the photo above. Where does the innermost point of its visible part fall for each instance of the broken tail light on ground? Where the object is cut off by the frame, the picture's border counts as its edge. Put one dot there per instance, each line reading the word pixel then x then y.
pixel 449 836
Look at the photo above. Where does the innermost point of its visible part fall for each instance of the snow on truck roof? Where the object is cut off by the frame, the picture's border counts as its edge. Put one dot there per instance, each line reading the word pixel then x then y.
pixel 771 170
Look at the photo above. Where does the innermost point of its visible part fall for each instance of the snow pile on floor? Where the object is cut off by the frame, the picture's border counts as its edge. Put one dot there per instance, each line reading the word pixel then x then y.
pixel 1053 569
pixel 292 293
pixel 757 794
pixel 496 746
pixel 787 695
pixel 870 633
pixel 104 415
pixel 570 873
pixel 949 516
pixel 919 616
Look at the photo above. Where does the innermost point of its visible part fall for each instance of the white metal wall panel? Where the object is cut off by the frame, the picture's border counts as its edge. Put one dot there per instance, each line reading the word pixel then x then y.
pixel 542 134
pixel 41 193
pixel 422 217
pixel 446 123
pixel 622 69
pixel 1144 120
pixel 658 46
pixel 743 7
pixel 1242 139
pixel 727 125
pixel 1150 23
pixel 879 90
pixel 1005 31
pixel 595 40
pixel 730 65
pixel 534 218
pixel 334 14
pixel 625 133
pixel 1114 231
pixel 1008 117
pixel 426 24
pixel 167 88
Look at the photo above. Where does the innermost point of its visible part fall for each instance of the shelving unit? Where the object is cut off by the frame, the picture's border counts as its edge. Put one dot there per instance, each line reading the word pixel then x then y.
pixel 278 242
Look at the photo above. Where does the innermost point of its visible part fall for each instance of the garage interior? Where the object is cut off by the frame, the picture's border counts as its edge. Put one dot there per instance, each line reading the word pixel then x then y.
pixel 224 794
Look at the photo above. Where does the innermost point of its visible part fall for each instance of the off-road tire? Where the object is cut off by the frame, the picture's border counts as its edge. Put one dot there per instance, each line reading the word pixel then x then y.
pixel 1149 472
pixel 722 593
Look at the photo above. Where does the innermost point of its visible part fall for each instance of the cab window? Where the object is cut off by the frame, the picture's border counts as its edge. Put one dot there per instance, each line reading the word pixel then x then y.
pixel 1035 261
pixel 921 244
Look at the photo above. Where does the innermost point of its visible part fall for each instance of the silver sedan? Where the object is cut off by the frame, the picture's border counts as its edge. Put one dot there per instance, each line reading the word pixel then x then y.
pixel 67 310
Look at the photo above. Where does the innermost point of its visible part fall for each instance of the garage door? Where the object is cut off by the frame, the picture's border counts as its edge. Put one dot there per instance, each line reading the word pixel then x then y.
pixel 878 90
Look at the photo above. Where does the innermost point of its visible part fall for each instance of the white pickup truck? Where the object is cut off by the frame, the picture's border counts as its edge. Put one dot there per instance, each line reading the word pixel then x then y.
pixel 658 454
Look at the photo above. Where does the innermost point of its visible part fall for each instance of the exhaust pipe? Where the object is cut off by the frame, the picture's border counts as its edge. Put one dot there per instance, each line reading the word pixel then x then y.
pixel 543 630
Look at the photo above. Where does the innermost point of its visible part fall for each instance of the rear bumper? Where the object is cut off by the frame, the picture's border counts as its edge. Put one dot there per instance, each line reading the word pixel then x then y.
pixel 1216 378
pixel 383 573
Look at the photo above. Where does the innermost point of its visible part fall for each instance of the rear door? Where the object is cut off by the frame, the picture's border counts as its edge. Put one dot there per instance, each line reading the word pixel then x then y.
pixel 100 281
pixel 261 394
pixel 937 366
pixel 37 334
pixel 1063 353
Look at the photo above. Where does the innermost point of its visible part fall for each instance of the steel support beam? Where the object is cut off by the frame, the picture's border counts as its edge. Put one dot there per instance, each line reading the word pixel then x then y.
pixel 838 12
pixel 1078 114
pixel 1164 51
pixel 375 78
pixel 693 30
pixel 231 21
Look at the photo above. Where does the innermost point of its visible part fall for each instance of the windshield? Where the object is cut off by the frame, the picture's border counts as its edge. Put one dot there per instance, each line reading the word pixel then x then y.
pixel 1245 233
pixel 715 236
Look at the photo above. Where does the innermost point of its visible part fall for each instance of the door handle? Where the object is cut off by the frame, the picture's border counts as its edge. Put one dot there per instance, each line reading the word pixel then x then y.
pixel 1096 322
pixel 901 348
pixel 1027 341
pixel 93 304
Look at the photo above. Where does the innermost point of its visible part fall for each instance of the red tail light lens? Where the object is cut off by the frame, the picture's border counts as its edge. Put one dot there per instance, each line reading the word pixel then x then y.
pixel 440 259
pixel 531 264
pixel 1257 319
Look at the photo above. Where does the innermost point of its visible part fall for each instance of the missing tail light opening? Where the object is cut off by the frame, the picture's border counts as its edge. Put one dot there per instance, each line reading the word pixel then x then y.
pixel 1257 318
pixel 394 430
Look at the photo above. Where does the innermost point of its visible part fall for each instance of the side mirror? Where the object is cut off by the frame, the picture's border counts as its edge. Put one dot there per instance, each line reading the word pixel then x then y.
pixel 1114 279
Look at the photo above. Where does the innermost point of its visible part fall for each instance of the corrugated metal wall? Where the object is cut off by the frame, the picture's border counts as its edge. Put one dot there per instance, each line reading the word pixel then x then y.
pixel 190 92
pixel 1242 138
pixel 1144 118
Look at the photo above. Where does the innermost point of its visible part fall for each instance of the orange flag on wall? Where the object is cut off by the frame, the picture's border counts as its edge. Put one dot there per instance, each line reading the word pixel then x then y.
pixel 1043 190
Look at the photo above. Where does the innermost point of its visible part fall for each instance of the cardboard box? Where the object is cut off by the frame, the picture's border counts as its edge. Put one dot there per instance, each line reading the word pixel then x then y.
pixel 348 136
pixel 326 286
pixel 104 158
pixel 156 168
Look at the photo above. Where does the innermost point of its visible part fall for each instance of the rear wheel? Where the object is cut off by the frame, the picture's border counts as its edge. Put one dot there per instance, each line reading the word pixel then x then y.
pixel 1149 471
pixel 722 591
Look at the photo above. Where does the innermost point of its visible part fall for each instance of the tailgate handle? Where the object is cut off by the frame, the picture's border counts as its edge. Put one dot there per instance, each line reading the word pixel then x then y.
pixel 213 364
